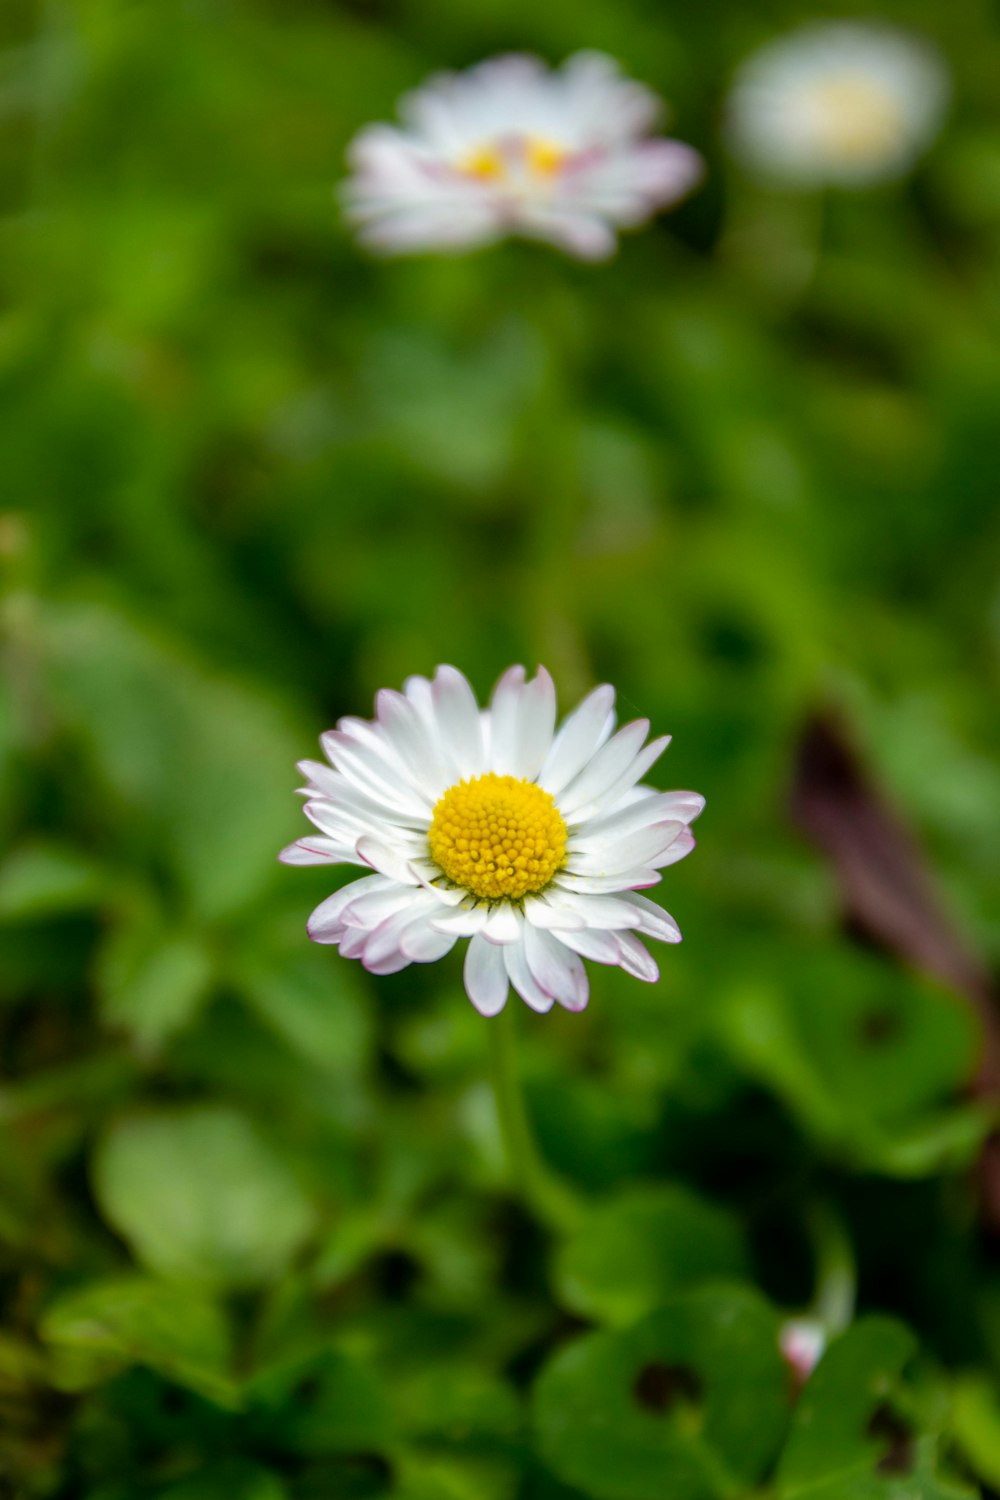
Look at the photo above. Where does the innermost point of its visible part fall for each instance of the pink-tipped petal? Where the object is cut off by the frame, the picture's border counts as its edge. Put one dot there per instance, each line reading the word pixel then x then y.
pixel 523 980
pixel 485 977
pixel 556 970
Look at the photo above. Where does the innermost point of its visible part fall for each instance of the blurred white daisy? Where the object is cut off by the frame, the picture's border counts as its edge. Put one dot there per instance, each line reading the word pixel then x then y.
pixel 490 825
pixel 841 104
pixel 512 147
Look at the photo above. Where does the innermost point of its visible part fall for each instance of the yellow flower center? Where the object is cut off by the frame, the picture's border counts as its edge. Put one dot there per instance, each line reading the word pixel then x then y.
pixel 496 163
pixel 499 837
pixel 861 121
pixel 543 157
pixel 487 164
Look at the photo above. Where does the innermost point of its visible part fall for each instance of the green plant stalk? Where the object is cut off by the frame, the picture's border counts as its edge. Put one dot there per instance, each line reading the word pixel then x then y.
pixel 836 1274
pixel 550 1199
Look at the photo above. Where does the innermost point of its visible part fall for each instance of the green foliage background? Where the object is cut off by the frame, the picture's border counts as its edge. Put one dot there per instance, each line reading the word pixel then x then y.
pixel 257 1240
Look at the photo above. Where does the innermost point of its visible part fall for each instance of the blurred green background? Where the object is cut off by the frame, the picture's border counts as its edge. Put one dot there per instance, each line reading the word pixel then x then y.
pixel 257 1240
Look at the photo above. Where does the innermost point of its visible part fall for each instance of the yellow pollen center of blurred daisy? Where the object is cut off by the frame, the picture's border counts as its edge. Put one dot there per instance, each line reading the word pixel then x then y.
pixel 543 157
pixel 499 837
pixel 860 119
pixel 486 163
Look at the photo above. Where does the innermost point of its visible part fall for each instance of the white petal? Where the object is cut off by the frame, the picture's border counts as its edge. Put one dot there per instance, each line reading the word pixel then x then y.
pixel 322 778
pixel 608 856
pixel 557 971
pixel 423 944
pixel 578 232
pixel 604 769
pixel 321 814
pixel 643 810
pixel 326 925
pixel 684 806
pixel 465 922
pixel 607 912
pixel 372 738
pixel 586 728
pixel 536 722
pixel 503 925
pixel 373 906
pixel 344 829
pixel 630 184
pixel 418 690
pixel 599 885
pixel 656 922
pixel 413 740
pixel 636 958
pixel 682 845
pixel 580 982
pixel 633 773
pixel 382 952
pixel 316 851
pixel 458 721
pixel 602 947
pixel 552 915
pixel 505 706
pixel 485 976
pixel 523 980
pixel 447 895
pixel 352 944
pixel 343 794
pixel 386 860
pixel 371 776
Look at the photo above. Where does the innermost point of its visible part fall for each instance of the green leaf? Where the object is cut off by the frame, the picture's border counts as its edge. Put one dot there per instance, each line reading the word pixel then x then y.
pixel 150 981
pixel 97 1330
pixel 829 1435
pixel 853 1427
pixel 236 1480
pixel 44 880
pixel 200 1193
pixel 314 1004
pixel 691 1402
pixel 889 1042
pixel 331 1404
pixel 868 1057
pixel 199 764
pixel 446 1476
pixel 645 1244
pixel 975 1422
pixel 457 1402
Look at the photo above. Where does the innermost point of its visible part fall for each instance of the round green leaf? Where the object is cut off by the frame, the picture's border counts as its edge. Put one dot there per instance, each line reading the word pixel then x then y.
pixel 151 981
pixel 330 1404
pixel 47 879
pixel 856 1431
pixel 97 1330
pixel 642 1246
pixel 200 1193
pixel 691 1402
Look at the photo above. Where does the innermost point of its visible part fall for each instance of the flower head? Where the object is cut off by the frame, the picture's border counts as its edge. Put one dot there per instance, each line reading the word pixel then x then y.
pixel 490 825
pixel 512 147
pixel 839 103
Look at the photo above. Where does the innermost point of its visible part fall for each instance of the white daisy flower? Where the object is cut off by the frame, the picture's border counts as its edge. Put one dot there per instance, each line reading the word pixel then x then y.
pixel 490 825
pixel 841 104
pixel 511 147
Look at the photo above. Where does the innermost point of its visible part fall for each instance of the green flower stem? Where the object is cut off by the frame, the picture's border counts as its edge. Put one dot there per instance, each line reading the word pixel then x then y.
pixel 836 1273
pixel 553 1202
